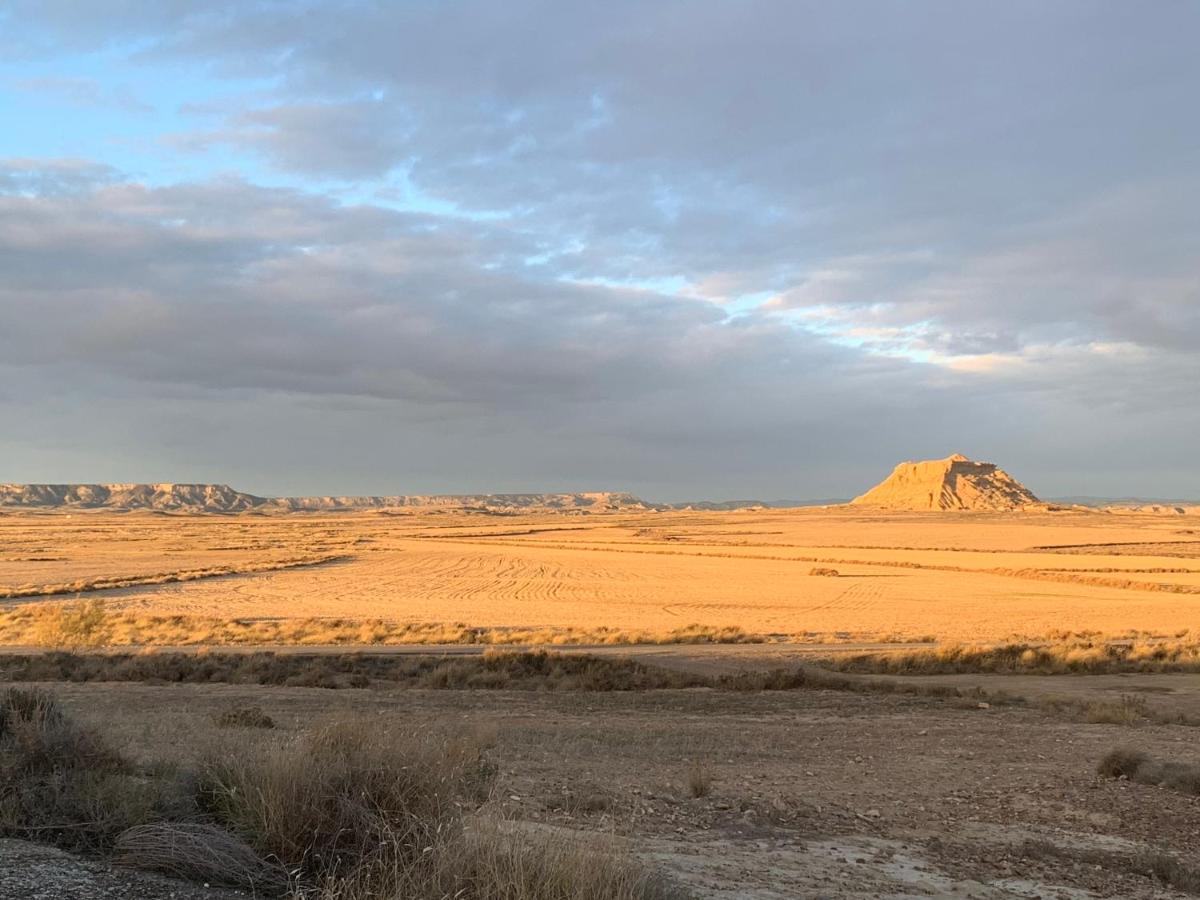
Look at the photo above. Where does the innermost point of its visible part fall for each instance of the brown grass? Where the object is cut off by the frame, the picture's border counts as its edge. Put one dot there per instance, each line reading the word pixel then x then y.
pixel 699 780
pixel 350 811
pixel 61 783
pixel 85 585
pixel 244 717
pixel 1163 867
pixel 1140 767
pixel 200 852
pixel 55 625
pixel 1076 656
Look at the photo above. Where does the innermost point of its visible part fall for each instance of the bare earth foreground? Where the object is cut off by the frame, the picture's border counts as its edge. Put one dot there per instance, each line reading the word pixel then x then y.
pixel 761 794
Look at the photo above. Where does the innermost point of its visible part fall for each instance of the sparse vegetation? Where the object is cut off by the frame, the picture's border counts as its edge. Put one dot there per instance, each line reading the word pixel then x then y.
pixel 699 780
pixel 351 810
pixel 84 585
pixel 36 624
pixel 1163 867
pixel 1080 655
pixel 61 783
pixel 1140 767
pixel 73 626
pixel 244 717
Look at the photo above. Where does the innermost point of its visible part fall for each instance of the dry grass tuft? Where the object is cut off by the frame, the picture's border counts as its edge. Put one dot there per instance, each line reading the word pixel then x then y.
pixel 1125 710
pixel 200 852
pixel 73 626
pixel 1163 867
pixel 493 860
pixel 699 781
pixel 343 797
pixel 62 784
pixel 1074 655
pixel 1140 767
pixel 244 717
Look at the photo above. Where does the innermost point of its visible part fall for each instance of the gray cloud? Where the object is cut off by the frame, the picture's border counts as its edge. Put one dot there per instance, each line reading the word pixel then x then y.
pixel 972 220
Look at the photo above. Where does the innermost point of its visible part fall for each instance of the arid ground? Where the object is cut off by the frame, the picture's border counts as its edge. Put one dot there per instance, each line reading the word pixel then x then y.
pixel 961 783
pixel 951 577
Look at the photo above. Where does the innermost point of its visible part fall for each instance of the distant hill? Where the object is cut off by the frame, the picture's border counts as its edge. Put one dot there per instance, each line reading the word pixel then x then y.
pixel 1116 502
pixel 953 483
pixel 717 505
pixel 220 498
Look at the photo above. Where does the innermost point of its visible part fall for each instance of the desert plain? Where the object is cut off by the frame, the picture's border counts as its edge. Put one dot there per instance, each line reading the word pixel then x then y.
pixel 936 774
pixel 963 577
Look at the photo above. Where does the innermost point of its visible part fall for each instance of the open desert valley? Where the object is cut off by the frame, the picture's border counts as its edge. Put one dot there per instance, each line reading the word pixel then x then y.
pixel 846 701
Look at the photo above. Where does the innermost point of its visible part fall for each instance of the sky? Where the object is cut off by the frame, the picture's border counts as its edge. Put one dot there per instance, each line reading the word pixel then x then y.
pixel 689 248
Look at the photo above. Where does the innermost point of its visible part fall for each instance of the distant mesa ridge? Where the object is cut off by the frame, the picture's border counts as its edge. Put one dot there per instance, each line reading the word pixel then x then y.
pixel 953 483
pixel 222 498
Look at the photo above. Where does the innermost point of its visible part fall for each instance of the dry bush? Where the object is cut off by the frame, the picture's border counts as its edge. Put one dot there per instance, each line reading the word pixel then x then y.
pixel 72 626
pixel 200 852
pixel 699 780
pixel 344 813
pixel 517 670
pixel 1140 767
pixel 1125 710
pixel 1074 654
pixel 1163 867
pixel 490 860
pixel 345 798
pixel 244 717
pixel 61 783
pixel 22 625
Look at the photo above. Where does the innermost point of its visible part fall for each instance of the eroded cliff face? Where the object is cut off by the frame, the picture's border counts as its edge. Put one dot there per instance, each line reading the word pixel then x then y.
pixel 953 483
pixel 224 499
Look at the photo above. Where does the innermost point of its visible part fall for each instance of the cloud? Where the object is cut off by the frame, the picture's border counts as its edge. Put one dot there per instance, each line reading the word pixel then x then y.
pixel 687 231
pixel 84 92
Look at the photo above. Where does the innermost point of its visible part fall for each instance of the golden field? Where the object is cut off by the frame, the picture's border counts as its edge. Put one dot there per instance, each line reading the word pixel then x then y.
pixel 380 577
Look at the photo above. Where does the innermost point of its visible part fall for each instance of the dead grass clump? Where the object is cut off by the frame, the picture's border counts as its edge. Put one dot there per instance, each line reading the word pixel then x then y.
pixel 62 784
pixel 1125 710
pixel 699 780
pixel 491 860
pixel 244 717
pixel 1122 763
pixel 346 798
pixel 1163 867
pixel 1140 767
pixel 1072 655
pixel 73 626
pixel 200 852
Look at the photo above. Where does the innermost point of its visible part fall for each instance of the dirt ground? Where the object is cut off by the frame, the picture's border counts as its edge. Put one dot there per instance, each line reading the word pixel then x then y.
pixel 951 577
pixel 813 793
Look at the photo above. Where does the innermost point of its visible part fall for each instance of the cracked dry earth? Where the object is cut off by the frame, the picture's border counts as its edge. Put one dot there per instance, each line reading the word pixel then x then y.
pixel 809 793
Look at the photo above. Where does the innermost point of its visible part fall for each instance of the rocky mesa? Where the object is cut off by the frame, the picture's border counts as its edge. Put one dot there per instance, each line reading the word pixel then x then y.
pixel 953 483
pixel 221 498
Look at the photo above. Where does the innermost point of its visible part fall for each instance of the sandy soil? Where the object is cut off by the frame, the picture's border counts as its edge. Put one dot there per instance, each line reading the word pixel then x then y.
pixel 971 577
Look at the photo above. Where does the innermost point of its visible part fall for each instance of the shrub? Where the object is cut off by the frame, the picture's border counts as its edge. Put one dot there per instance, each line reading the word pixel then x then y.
pixel 1126 710
pixel 493 860
pixel 201 852
pixel 343 798
pixel 699 781
pixel 61 783
pixel 73 626
pixel 244 717
pixel 1140 767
